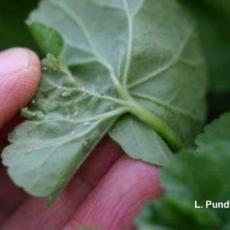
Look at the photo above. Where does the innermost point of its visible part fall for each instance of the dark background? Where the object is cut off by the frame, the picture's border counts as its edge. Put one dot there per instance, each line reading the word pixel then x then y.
pixel 13 31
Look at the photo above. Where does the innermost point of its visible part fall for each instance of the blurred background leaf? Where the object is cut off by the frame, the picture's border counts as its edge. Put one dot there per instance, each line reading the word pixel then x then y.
pixel 214 27
pixel 220 7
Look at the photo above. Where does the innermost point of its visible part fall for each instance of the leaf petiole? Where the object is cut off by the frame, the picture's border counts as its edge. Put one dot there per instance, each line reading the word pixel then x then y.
pixel 155 123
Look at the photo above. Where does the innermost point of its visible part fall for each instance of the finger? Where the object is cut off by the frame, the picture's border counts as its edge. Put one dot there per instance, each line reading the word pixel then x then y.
pixel 33 215
pixel 118 197
pixel 10 196
pixel 19 78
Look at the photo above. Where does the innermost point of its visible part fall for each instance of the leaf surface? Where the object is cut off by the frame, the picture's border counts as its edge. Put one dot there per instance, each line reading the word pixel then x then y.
pixel 144 143
pixel 108 58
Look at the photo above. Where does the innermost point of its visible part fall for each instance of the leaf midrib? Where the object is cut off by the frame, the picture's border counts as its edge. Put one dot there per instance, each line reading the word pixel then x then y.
pixel 129 103
pixel 92 49
pixel 124 79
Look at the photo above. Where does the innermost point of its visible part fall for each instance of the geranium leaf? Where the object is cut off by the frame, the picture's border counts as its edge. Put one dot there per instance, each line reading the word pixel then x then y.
pixel 108 58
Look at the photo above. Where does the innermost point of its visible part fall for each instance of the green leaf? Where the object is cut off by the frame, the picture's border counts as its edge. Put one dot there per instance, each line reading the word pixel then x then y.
pixel 144 142
pixel 188 178
pixel 221 8
pixel 111 58
pixel 217 131
pixel 215 36
pixel 195 176
pixel 173 214
pixel 214 19
pixel 47 150
pixel 52 41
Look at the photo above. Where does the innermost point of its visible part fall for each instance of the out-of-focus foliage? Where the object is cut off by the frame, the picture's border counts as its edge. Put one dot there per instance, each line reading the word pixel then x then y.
pixel 214 22
pixel 200 176
pixel 13 31
pixel 220 7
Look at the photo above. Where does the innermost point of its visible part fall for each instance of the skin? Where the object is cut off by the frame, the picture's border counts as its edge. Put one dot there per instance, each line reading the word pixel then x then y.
pixel 107 191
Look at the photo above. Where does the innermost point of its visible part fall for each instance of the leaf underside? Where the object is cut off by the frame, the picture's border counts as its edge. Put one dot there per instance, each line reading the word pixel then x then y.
pixel 114 66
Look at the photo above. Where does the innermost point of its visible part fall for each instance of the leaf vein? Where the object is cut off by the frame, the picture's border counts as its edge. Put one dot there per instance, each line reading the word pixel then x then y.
pixel 166 105
pixel 164 68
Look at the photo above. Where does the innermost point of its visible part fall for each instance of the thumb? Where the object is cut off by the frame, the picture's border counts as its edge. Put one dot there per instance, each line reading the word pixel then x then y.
pixel 19 79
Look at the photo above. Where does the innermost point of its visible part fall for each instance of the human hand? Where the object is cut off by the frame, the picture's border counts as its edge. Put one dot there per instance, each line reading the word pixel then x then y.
pixel 107 191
